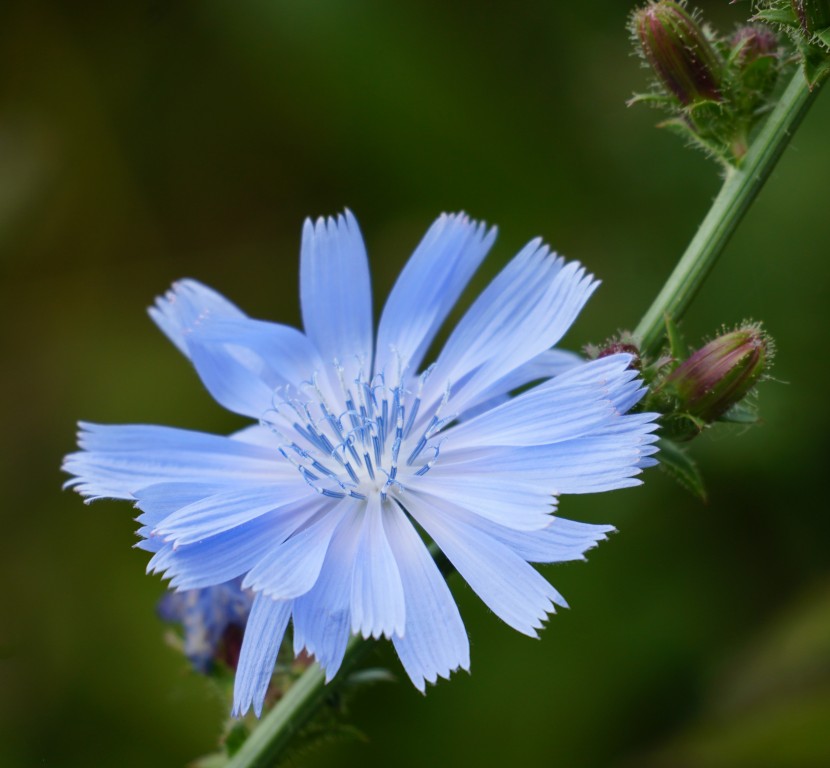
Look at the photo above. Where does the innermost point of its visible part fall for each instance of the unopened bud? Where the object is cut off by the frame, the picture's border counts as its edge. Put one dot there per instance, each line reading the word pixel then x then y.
pixel 813 15
pixel 616 347
pixel 720 374
pixel 755 42
pixel 678 52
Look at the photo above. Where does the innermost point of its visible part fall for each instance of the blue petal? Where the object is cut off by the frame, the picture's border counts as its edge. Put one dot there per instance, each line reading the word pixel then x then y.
pixel 428 288
pixel 117 460
pixel 523 312
pixel 495 496
pixel 434 642
pixel 224 511
pixel 377 593
pixel 263 637
pixel 573 404
pixel 547 365
pixel 181 306
pixel 510 587
pixel 240 361
pixel 336 293
pixel 561 541
pixel 603 459
pixel 322 616
pixel 233 553
pixel 292 567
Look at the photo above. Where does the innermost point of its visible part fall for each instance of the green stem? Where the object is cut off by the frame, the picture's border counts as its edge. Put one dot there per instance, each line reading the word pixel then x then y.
pixel 739 190
pixel 302 701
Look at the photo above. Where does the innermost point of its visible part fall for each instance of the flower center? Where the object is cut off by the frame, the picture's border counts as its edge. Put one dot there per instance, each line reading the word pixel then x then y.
pixel 367 438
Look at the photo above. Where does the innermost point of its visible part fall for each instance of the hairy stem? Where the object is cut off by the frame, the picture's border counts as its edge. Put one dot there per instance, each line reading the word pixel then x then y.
pixel 274 733
pixel 740 188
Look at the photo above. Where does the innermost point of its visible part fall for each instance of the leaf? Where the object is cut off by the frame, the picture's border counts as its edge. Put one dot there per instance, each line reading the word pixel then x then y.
pixel 676 463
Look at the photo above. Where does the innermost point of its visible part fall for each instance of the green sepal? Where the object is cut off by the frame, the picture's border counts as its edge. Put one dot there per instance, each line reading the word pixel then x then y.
pixel 816 63
pixel 680 127
pixel 741 413
pixel 654 100
pixel 823 37
pixel 676 463
pixel 784 16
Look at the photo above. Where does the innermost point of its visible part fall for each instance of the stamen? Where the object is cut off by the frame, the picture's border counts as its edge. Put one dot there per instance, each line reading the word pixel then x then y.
pixel 428 466
pixel 418 448
pixel 364 442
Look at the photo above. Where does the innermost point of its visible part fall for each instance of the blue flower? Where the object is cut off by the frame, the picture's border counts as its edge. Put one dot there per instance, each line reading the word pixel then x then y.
pixel 357 450
pixel 209 617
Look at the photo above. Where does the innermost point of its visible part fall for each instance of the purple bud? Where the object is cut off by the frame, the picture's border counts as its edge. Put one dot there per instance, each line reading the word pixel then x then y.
pixel 812 15
pixel 616 347
pixel 755 42
pixel 721 373
pixel 679 53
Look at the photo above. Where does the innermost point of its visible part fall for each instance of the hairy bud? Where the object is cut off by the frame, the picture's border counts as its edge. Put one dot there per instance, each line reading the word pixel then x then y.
pixel 677 50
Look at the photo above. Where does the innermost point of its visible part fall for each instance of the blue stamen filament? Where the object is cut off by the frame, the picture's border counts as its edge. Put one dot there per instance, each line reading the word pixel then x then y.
pixel 357 453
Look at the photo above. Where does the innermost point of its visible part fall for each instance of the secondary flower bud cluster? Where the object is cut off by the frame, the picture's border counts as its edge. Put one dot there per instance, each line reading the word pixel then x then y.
pixel 717 377
pixel 692 391
pixel 807 23
pixel 715 87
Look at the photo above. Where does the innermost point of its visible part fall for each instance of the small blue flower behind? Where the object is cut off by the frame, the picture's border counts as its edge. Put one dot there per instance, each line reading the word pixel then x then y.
pixel 213 620
pixel 356 448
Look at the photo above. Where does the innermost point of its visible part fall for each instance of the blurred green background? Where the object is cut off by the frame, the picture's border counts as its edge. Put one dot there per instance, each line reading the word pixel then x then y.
pixel 145 141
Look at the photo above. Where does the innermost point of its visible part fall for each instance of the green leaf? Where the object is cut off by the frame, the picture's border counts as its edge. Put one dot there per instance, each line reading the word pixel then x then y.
pixel 823 36
pixel 676 463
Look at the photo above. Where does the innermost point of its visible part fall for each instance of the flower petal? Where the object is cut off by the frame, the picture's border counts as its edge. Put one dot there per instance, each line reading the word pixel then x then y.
pixel 181 306
pixel 232 553
pixel 434 642
pixel 260 645
pixel 428 288
pixel 336 293
pixel 292 567
pixel 496 496
pixel 523 312
pixel 377 593
pixel 322 615
pixel 117 460
pixel 547 365
pixel 603 459
pixel 240 361
pixel 510 587
pixel 227 510
pixel 573 404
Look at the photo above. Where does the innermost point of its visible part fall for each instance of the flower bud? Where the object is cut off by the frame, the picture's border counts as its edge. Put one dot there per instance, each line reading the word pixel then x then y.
pixel 813 15
pixel 615 347
pixel 756 42
pixel 721 373
pixel 678 52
